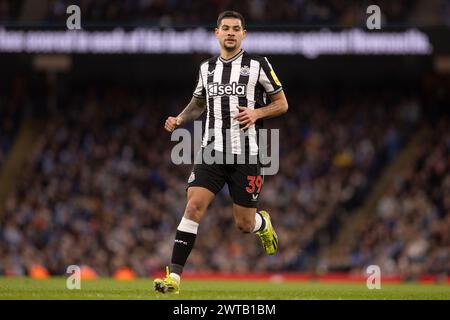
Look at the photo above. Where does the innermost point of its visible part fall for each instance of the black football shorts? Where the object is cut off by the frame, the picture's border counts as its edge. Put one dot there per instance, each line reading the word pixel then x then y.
pixel 244 181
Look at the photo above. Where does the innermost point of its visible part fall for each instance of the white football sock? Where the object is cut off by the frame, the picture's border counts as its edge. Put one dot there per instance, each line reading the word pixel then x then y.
pixel 175 276
pixel 258 222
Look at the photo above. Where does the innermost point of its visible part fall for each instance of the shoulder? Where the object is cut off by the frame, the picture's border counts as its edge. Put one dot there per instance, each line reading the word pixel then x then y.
pixel 260 59
pixel 207 61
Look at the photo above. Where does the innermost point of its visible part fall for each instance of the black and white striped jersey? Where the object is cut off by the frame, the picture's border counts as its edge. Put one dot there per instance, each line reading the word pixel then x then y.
pixel 243 80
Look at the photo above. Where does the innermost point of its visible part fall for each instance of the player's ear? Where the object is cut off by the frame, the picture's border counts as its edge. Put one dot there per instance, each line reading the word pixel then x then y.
pixel 216 31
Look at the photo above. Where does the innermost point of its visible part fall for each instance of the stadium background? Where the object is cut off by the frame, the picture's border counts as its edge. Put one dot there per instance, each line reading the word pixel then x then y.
pixel 85 170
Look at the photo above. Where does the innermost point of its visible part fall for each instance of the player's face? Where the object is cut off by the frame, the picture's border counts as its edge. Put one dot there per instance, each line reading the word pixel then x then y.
pixel 230 34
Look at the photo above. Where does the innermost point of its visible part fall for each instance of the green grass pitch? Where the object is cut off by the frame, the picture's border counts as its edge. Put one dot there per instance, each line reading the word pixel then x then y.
pixel 55 288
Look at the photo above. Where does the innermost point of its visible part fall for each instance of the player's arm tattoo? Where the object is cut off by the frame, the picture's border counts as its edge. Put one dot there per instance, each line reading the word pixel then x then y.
pixel 193 110
pixel 277 107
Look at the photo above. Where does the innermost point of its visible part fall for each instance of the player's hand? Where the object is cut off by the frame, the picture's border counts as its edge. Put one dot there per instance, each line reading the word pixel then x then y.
pixel 246 117
pixel 172 123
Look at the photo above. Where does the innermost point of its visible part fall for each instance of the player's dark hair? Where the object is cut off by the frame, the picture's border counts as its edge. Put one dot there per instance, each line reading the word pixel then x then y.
pixel 230 14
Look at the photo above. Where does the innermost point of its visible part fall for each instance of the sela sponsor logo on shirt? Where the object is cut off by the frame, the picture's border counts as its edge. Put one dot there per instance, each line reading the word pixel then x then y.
pixel 229 89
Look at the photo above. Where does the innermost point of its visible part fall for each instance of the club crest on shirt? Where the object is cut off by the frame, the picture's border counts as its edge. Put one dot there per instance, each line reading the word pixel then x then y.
pixel 245 71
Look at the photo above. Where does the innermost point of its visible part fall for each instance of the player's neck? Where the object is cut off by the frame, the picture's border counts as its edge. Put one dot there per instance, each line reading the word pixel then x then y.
pixel 226 55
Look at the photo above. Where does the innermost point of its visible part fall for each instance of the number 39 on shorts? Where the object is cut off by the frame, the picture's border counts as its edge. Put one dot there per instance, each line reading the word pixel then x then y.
pixel 254 182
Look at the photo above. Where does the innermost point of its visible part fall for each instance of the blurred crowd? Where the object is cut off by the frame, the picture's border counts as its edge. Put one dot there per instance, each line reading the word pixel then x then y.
pixel 410 232
pixel 204 12
pixel 6 135
pixel 10 118
pixel 100 189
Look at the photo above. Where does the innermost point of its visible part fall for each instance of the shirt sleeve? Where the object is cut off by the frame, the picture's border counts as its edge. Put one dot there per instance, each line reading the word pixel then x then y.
pixel 199 90
pixel 267 78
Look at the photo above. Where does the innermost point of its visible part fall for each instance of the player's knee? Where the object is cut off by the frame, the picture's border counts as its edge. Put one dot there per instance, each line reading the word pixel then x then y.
pixel 245 225
pixel 194 210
